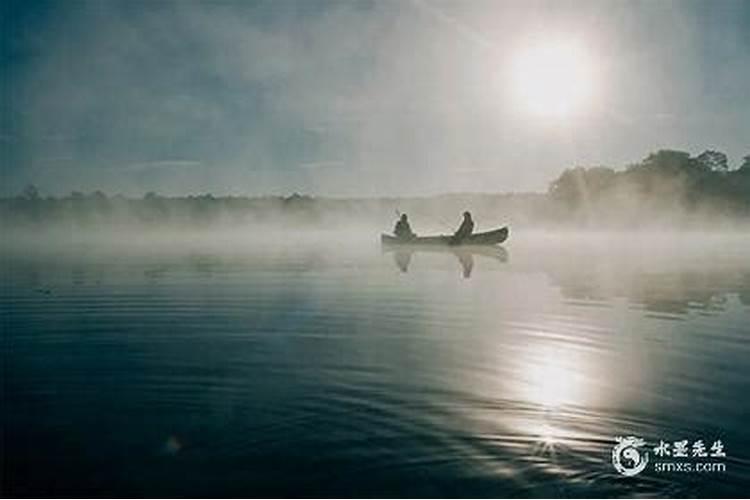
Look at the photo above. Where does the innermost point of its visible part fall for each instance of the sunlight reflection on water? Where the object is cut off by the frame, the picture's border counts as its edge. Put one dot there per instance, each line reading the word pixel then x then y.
pixel 330 370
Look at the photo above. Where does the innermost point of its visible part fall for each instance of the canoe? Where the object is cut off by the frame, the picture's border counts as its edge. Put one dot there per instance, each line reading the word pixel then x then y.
pixel 494 237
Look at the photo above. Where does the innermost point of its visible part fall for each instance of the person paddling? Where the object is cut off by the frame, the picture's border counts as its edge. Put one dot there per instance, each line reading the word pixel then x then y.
pixel 464 231
pixel 403 229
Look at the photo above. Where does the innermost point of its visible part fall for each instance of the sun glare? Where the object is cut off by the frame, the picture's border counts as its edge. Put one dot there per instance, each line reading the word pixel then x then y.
pixel 552 377
pixel 553 80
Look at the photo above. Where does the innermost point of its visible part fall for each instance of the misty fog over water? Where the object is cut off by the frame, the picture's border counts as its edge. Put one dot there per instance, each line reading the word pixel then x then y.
pixel 228 364
pixel 414 248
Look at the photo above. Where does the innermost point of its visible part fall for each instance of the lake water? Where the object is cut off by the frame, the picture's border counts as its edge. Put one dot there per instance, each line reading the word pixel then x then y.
pixel 306 369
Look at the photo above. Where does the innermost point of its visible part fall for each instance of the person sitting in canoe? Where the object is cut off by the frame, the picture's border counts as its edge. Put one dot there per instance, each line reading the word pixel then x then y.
pixel 464 231
pixel 403 229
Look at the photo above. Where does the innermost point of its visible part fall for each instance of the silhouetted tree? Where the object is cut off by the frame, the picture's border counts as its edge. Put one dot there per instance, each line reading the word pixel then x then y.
pixel 665 182
pixel 30 193
pixel 669 160
pixel 713 160
pixel 153 208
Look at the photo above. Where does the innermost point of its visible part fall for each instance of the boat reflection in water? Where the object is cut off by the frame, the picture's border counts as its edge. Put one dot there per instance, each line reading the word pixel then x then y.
pixel 314 366
pixel 402 256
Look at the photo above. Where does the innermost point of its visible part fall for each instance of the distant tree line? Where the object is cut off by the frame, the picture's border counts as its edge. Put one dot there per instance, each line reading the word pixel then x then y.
pixel 30 208
pixel 668 184
pixel 667 187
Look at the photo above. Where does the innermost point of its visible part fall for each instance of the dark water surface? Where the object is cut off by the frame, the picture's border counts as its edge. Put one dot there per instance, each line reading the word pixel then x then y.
pixel 311 369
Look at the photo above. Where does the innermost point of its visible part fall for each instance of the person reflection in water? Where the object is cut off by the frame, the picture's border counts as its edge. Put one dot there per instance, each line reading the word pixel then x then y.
pixel 467 262
pixel 403 229
pixel 464 231
pixel 402 259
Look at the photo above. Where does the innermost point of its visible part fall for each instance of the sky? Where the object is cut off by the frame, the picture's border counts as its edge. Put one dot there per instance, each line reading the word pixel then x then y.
pixel 360 98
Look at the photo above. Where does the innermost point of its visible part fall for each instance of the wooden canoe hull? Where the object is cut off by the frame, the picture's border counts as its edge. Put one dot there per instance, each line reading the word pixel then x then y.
pixel 494 237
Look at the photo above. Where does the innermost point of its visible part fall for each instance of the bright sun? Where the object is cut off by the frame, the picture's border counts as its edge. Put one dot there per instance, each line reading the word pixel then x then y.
pixel 553 80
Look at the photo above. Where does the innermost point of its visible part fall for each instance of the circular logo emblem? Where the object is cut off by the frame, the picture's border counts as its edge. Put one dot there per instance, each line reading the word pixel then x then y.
pixel 627 458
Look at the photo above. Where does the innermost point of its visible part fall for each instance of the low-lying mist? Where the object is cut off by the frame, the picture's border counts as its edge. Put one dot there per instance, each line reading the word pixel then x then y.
pixel 668 190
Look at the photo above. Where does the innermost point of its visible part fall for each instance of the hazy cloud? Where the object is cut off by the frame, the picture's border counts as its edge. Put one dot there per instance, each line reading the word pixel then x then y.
pixel 410 96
